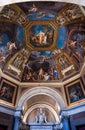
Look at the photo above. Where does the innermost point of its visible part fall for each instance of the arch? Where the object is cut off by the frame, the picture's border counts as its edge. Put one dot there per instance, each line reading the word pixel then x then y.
pixel 42 90
pixel 5 2
pixel 43 106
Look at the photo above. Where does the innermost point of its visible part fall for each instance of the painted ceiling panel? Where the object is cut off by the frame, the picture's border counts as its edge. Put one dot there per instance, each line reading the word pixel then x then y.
pixel 42 41
pixel 35 10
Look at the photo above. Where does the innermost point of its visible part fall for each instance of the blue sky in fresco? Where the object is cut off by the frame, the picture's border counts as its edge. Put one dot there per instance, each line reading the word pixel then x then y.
pixel 61 36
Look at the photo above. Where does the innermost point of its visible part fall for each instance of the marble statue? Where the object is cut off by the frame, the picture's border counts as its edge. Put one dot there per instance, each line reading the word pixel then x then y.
pixel 41 117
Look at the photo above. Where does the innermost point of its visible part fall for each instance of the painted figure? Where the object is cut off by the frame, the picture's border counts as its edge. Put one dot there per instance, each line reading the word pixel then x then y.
pixel 3 91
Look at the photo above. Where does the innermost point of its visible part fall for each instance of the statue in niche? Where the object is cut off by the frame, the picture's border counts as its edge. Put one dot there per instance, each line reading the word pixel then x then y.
pixel 41 117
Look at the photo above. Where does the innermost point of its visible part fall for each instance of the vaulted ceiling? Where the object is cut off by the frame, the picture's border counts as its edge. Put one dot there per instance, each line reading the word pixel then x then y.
pixel 42 41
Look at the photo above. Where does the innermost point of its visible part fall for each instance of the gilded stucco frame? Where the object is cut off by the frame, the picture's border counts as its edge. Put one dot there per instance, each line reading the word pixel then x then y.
pixel 50 23
pixel 8 99
pixel 75 92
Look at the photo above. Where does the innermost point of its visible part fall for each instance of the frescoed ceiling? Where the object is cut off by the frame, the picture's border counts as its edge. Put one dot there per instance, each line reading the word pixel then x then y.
pixel 42 41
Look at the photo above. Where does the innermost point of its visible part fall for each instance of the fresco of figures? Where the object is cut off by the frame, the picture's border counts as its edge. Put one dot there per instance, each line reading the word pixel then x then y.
pixel 42 44
pixel 13 14
pixel 72 41
pixel 76 42
pixel 8 13
pixel 47 65
pixel 16 65
pixel 71 13
pixel 66 66
pixel 11 40
pixel 41 35
pixel 40 67
pixel 35 10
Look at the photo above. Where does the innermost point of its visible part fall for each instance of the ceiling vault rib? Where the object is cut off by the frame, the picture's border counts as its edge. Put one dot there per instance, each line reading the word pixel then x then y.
pixel 82 9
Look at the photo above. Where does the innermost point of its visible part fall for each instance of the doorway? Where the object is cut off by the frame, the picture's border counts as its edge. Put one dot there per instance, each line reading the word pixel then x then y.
pixel 2 127
pixel 80 127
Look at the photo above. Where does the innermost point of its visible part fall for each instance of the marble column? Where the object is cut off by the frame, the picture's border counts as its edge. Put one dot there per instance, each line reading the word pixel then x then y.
pixel 17 120
pixel 58 126
pixel 65 123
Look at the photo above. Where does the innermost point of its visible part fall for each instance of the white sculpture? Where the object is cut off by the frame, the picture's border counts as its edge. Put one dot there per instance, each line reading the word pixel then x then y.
pixel 41 117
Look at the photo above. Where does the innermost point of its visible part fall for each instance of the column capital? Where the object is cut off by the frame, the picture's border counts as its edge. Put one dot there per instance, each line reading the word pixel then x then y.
pixel 64 115
pixel 18 113
pixel 58 126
